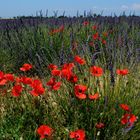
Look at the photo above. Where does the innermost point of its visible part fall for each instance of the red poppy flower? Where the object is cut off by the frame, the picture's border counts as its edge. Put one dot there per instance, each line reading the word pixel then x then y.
pixel 3 81
pixel 78 134
pixel 79 60
pixel 80 91
pixel 55 72
pixel 35 83
pixel 26 80
pixel 68 74
pixel 26 67
pixel 95 36
pixel 51 82
pixel 80 95
pixel 16 90
pixel 100 125
pixel 44 131
pixel 85 23
pixel 54 85
pixel 37 91
pixel 94 97
pixel 1 74
pixel 68 66
pixel 66 71
pixel 96 71
pixel 128 119
pixel 37 88
pixel 80 88
pixel 9 77
pixel 72 78
pixel 122 72
pixel 54 31
pixel 52 66
pixel 125 107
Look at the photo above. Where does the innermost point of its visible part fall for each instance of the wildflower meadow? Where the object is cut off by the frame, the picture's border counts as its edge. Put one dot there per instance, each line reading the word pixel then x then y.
pixel 65 78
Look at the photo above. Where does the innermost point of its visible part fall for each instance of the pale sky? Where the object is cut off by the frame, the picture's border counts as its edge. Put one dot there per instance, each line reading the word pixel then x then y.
pixel 10 8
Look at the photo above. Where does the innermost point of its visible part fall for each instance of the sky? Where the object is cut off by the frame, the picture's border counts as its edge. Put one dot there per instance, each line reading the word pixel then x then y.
pixel 11 8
